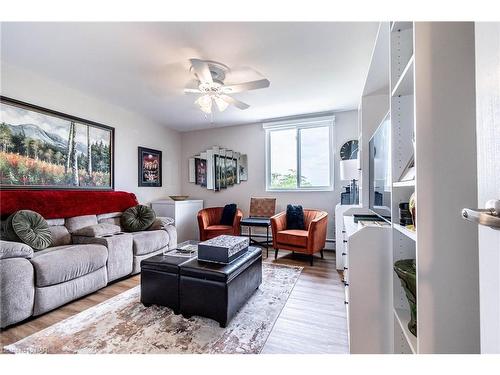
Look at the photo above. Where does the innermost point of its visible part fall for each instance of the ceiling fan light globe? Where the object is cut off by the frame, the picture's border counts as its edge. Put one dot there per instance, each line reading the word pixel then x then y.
pixel 221 104
pixel 205 103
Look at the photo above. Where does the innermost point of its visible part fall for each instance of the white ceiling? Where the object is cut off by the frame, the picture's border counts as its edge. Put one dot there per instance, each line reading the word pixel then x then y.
pixel 313 67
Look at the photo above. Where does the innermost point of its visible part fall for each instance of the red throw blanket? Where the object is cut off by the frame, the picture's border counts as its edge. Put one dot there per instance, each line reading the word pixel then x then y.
pixel 52 204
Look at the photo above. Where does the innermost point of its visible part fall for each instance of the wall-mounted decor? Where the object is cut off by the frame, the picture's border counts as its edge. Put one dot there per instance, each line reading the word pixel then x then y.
pixel 45 149
pixel 243 168
pixel 149 167
pixel 201 172
pixel 218 168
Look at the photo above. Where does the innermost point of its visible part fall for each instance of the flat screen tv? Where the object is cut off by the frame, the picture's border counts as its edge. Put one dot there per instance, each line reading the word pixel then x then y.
pixel 380 170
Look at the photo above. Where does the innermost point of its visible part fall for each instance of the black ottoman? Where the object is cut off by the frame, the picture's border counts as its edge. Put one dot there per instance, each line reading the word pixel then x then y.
pixel 160 280
pixel 218 291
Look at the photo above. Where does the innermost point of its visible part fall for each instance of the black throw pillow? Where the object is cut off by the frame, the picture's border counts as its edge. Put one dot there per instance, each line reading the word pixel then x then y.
pixel 228 214
pixel 295 217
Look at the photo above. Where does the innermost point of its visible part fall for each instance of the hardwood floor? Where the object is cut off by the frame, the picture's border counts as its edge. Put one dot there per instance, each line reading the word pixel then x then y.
pixel 312 321
pixel 314 318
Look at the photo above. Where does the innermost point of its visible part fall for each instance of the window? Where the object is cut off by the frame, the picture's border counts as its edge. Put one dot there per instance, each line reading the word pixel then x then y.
pixel 302 148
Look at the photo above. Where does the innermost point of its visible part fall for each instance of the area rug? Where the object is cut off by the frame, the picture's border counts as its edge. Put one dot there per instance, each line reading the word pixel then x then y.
pixel 123 325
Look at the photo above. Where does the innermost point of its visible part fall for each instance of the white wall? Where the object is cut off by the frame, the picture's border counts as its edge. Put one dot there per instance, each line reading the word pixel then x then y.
pixel 131 129
pixel 250 140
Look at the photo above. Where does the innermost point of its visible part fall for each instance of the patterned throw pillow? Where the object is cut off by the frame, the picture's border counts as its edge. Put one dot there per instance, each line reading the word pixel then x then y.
pixel 29 227
pixel 137 218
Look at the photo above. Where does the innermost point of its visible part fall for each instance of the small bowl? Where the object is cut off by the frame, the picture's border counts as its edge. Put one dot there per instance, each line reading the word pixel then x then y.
pixel 179 197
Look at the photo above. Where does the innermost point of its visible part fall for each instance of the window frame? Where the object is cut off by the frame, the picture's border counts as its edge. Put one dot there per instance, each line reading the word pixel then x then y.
pixel 299 124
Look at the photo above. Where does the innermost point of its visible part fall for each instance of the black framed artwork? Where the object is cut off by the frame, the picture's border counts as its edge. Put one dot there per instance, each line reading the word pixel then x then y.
pixel 149 167
pixel 200 172
pixel 45 149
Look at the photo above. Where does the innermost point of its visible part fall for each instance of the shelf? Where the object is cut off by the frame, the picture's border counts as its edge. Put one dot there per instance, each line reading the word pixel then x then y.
pixel 401 25
pixel 408 233
pixel 403 317
pixel 404 86
pixel 410 183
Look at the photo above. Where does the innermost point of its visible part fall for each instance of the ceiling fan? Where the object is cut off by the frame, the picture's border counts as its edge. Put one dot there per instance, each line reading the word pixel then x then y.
pixel 209 82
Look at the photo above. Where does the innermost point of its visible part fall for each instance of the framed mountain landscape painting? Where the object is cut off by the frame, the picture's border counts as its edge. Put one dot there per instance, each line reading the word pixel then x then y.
pixel 45 149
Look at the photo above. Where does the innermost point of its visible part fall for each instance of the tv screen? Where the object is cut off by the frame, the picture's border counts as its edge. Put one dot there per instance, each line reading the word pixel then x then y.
pixel 380 170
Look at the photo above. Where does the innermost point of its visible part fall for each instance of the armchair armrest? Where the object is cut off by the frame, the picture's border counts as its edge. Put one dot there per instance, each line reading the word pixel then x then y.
pixel 317 232
pixel 203 219
pixel 278 223
pixel 237 218
pixel 10 249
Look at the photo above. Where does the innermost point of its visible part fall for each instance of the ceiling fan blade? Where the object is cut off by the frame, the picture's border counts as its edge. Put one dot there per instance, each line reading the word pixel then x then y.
pixel 191 91
pixel 246 86
pixel 202 70
pixel 233 101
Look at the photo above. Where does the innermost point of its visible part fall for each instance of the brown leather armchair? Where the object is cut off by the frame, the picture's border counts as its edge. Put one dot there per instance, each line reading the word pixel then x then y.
pixel 309 241
pixel 209 223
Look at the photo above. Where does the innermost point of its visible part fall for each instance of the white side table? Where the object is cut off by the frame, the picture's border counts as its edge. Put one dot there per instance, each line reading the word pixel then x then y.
pixel 184 213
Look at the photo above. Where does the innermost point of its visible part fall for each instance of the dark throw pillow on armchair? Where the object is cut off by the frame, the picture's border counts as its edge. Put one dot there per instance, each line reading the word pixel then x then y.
pixel 228 214
pixel 295 217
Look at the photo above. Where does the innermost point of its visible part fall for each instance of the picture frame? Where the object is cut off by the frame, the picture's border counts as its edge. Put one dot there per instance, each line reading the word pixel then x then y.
pixel 149 167
pixel 43 149
pixel 217 172
pixel 243 167
pixel 200 172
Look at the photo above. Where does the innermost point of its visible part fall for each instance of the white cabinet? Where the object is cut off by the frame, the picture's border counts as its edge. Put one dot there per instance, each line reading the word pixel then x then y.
pixel 340 210
pixel 368 286
pixel 185 215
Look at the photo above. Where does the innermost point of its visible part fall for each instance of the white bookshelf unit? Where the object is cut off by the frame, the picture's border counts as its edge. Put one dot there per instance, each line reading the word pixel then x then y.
pixel 402 64
pixel 426 81
pixel 430 69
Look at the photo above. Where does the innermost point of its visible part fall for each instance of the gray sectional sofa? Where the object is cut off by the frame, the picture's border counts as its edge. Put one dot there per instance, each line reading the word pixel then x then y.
pixel 34 282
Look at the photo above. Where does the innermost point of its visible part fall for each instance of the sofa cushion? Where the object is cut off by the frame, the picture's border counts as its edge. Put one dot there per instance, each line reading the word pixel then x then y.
pixel 63 263
pixel 9 249
pixel 149 241
pixel 55 222
pixel 161 222
pixel 31 228
pixel 295 217
pixel 97 230
pixel 294 237
pixel 78 222
pixel 110 215
pixel 137 218
pixel 217 230
pixel 60 235
pixel 224 228
pixel 111 218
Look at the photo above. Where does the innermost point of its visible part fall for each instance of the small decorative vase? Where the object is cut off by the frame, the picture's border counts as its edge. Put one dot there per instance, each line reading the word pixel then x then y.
pixel 406 271
pixel 413 209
